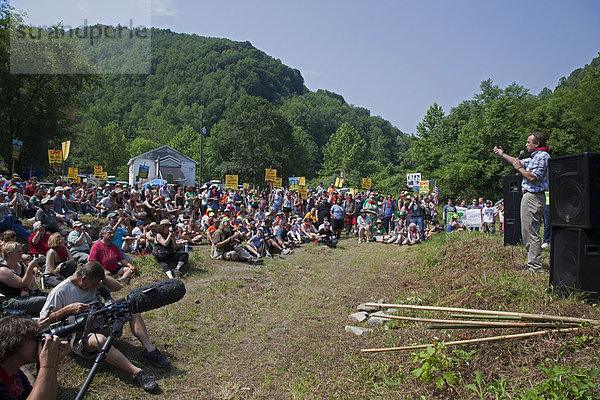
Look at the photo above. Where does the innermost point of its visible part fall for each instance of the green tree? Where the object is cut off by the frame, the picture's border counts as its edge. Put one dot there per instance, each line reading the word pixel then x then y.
pixel 38 109
pixel 346 149
pixel 252 136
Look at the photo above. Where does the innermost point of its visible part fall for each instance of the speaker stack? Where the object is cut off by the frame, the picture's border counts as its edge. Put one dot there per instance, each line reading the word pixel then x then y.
pixel 512 193
pixel 575 220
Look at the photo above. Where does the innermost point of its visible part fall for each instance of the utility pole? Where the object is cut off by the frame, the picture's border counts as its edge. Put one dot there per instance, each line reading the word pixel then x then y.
pixel 201 135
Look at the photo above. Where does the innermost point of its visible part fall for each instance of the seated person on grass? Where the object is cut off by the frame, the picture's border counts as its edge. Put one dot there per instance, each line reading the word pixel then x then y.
pixel 74 296
pixel 413 236
pixel 105 252
pixel 17 281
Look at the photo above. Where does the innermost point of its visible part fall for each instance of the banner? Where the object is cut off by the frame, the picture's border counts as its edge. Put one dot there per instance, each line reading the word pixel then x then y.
pixel 337 182
pixel 294 187
pixel 143 171
pixel 104 176
pixel 246 186
pixel 301 181
pixel 270 175
pixel 66 147
pixel 72 173
pixel 413 180
pixel 474 218
pixel 97 171
pixel 424 187
pixel 303 192
pixel 55 157
pixel 293 180
pixel 16 149
pixel 231 182
pixel 461 212
pixel 366 183
pixel 277 182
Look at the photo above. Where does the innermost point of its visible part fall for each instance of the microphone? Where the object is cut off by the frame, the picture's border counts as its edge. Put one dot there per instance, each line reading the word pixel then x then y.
pixel 521 154
pixel 155 295
pixel 139 300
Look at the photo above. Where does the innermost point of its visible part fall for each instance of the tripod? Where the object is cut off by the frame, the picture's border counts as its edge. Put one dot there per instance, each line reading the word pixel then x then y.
pixel 115 331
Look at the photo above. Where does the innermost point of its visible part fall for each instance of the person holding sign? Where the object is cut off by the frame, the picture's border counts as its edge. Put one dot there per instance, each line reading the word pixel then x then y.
pixel 535 182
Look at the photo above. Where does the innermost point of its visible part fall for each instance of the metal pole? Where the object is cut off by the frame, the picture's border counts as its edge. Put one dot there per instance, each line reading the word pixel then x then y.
pixel 201 135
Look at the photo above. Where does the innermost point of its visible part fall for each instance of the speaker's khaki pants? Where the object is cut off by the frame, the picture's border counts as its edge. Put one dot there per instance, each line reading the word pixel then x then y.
pixel 532 211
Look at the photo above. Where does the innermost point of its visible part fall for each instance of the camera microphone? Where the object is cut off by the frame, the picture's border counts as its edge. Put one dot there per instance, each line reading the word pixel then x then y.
pixel 521 154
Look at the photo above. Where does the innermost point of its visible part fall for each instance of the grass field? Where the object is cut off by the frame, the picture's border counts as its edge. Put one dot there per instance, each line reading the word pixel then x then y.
pixel 277 331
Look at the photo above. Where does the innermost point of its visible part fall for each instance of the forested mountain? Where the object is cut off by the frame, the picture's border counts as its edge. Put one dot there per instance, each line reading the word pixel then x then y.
pixel 195 76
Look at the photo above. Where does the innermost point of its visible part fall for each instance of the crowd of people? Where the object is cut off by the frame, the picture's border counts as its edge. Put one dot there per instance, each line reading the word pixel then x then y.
pixel 73 260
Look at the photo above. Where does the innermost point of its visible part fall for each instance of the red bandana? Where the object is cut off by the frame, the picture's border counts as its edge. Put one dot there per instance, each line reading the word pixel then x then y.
pixel 12 383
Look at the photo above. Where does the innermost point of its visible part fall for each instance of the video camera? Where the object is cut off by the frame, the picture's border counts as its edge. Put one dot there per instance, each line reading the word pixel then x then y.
pixel 107 314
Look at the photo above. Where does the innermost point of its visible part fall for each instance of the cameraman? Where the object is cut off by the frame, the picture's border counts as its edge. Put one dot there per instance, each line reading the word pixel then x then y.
pixel 74 296
pixel 19 345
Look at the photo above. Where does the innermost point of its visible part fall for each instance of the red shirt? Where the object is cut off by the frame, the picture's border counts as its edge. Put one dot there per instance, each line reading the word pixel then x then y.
pixel 42 245
pixel 109 256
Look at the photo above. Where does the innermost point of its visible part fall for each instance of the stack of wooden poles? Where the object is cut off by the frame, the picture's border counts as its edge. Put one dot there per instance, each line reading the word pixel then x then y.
pixel 484 319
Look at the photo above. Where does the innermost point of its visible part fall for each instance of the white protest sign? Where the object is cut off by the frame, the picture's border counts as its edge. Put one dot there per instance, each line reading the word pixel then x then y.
pixel 474 218
pixel 413 179
pixel 462 215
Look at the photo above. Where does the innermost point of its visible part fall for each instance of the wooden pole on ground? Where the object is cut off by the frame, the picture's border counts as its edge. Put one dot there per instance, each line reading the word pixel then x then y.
pixel 507 325
pixel 478 340
pixel 473 323
pixel 532 317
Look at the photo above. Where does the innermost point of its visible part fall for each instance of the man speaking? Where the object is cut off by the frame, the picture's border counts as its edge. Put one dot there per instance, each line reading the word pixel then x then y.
pixel 535 182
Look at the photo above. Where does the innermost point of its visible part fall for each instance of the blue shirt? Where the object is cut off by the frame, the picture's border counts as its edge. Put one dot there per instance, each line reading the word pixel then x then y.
pixel 538 166
pixel 338 212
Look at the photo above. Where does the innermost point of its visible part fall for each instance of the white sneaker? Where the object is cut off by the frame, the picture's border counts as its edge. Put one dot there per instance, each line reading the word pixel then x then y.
pixel 545 245
pixel 359 241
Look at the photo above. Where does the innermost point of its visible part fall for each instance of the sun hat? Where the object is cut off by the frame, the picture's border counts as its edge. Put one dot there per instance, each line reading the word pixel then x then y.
pixel 164 222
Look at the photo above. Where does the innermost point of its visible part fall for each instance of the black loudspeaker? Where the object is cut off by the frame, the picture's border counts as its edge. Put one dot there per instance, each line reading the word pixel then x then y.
pixel 575 261
pixel 511 192
pixel 512 228
pixel 575 191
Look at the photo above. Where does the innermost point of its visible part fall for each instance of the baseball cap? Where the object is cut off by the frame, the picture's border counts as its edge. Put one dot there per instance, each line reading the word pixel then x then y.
pixel 112 214
pixel 36 225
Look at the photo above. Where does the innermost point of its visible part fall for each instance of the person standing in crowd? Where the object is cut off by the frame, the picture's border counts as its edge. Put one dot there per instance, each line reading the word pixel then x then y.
pixel 338 212
pixel 535 182
pixel 447 211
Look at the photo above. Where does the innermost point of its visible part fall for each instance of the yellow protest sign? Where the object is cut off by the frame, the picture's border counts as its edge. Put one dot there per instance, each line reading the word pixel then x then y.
pixel 54 157
pixel 303 192
pixel 77 179
pixel 246 186
pixel 270 175
pixel 97 170
pixel 72 173
pixel 231 181
pixel 294 187
pixel 277 182
pixel 104 176
pixel 424 187
pixel 66 147
pixel 366 183
pixel 302 181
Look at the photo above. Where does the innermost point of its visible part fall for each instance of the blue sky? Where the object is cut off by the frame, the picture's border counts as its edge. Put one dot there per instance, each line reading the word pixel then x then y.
pixel 393 57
